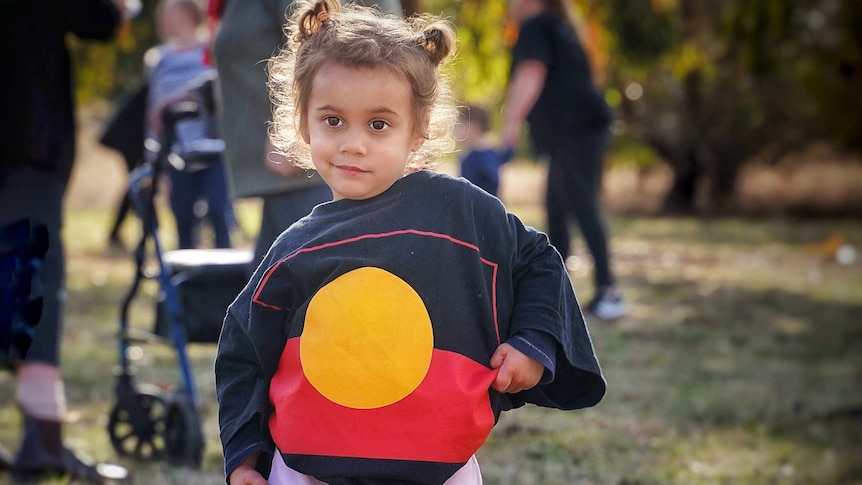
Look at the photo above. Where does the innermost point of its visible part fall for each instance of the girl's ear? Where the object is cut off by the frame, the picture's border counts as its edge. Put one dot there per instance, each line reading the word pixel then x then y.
pixel 303 130
pixel 418 138
pixel 418 141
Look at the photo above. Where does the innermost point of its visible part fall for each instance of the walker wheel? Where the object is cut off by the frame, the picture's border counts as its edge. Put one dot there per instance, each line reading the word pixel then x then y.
pixel 184 440
pixel 139 432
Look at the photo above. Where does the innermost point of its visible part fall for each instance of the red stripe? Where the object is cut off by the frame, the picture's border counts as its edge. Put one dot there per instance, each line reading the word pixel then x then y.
pixel 445 420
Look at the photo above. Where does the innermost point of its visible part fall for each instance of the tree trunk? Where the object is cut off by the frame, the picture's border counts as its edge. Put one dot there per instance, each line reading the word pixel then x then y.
pixel 722 194
pixel 681 198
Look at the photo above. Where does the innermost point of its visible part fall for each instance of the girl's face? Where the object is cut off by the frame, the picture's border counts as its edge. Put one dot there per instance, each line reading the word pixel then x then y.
pixel 359 124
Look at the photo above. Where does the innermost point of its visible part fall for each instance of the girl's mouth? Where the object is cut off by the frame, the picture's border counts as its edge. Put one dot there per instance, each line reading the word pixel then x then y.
pixel 350 169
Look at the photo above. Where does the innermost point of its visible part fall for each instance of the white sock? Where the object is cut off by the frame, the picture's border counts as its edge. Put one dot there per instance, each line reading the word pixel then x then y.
pixel 40 392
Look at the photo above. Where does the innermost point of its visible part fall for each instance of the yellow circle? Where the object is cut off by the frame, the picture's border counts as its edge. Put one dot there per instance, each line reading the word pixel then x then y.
pixel 367 340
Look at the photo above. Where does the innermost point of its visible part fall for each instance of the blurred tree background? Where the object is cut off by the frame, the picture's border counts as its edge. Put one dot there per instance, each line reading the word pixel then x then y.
pixel 105 71
pixel 704 87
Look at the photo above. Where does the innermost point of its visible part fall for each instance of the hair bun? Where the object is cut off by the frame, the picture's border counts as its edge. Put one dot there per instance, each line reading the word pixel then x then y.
pixel 438 39
pixel 313 19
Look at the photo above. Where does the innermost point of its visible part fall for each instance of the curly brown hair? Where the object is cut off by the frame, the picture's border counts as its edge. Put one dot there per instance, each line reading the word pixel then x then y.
pixel 322 32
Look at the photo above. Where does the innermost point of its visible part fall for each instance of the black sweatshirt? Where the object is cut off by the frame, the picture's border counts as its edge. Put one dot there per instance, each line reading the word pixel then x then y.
pixel 361 346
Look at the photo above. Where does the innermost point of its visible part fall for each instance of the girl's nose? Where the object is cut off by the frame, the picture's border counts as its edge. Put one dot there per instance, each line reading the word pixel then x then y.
pixel 353 142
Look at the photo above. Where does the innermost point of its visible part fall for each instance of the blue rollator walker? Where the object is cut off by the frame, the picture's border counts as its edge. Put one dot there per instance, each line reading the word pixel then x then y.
pixel 196 286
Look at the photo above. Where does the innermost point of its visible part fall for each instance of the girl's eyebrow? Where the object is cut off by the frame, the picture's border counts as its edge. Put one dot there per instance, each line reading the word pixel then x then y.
pixel 380 110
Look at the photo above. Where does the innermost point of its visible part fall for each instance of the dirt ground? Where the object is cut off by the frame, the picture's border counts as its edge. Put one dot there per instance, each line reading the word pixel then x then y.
pixel 823 184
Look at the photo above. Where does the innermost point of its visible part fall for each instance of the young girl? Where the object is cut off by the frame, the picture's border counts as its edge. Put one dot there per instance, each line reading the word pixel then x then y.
pixel 384 333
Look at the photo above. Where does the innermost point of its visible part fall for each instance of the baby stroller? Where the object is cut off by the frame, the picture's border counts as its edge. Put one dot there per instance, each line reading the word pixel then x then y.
pixel 195 288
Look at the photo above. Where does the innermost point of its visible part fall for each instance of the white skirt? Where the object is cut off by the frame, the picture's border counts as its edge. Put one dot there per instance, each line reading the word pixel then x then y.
pixel 281 474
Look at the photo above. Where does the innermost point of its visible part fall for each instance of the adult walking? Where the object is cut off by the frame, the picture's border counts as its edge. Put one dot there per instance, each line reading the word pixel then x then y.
pixel 551 88
pixel 37 149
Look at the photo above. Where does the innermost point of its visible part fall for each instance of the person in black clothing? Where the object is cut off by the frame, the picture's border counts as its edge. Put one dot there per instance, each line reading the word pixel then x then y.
pixel 551 88
pixel 37 135
pixel 125 133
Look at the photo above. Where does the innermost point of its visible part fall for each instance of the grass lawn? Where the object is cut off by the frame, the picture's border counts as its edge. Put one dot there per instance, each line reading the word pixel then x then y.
pixel 740 363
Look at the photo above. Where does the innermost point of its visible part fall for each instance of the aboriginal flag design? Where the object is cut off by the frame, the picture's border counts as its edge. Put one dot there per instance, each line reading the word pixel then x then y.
pixel 385 372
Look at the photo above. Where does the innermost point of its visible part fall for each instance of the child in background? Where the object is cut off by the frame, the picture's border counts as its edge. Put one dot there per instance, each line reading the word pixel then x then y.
pixel 481 162
pixel 384 333
pixel 175 66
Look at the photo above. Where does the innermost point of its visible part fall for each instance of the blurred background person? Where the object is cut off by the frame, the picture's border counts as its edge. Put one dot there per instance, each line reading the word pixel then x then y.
pixel 551 87
pixel 37 150
pixel 481 160
pixel 176 64
pixel 125 134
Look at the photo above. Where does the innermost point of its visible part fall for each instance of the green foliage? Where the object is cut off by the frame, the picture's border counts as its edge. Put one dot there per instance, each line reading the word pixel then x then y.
pixel 481 69
pixel 483 62
pixel 642 33
pixel 628 151
pixel 754 27
pixel 725 83
pixel 830 69
pixel 105 70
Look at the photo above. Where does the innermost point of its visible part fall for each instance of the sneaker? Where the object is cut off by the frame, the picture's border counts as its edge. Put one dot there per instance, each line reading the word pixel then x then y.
pixel 608 305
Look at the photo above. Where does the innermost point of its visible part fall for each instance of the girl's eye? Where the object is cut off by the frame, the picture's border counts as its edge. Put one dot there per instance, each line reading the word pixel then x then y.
pixel 332 121
pixel 378 125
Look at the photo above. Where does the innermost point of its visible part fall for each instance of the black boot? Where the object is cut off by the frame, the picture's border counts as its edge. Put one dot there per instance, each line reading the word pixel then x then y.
pixel 42 454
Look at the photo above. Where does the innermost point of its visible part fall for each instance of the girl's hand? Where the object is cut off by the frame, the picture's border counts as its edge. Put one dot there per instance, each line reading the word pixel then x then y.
pixel 517 371
pixel 245 474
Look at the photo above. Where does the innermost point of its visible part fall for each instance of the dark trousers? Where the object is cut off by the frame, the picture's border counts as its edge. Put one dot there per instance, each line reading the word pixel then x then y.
pixel 574 186
pixel 37 196
pixel 187 189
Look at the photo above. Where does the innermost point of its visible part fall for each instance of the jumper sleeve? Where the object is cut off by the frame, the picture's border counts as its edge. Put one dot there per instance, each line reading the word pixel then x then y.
pixel 545 302
pixel 539 346
pixel 242 394
pixel 250 345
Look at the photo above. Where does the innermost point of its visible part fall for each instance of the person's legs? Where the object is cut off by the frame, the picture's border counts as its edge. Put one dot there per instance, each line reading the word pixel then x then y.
pixel 579 170
pixel 37 196
pixel 219 208
pixel 556 209
pixel 282 210
pixel 122 209
pixel 580 166
pixel 122 212
pixel 183 195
